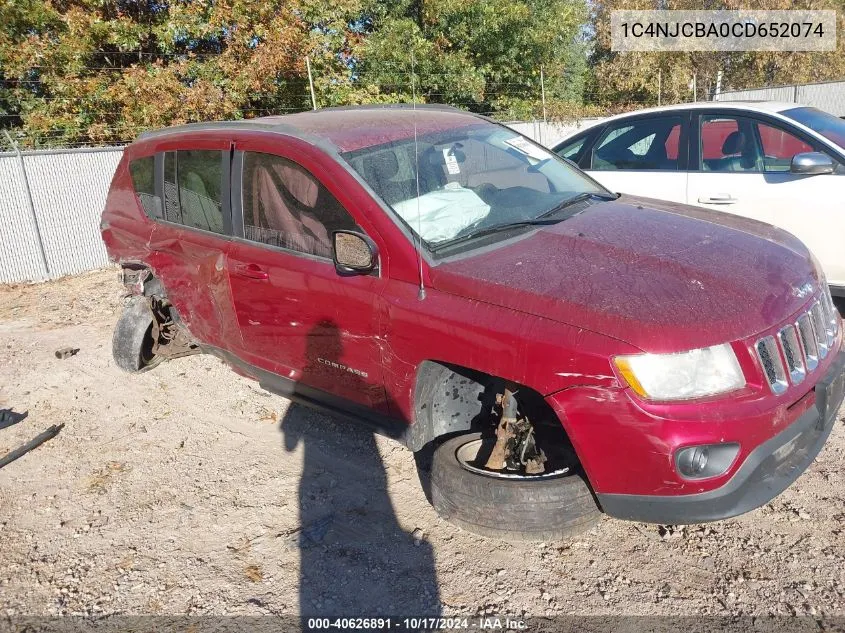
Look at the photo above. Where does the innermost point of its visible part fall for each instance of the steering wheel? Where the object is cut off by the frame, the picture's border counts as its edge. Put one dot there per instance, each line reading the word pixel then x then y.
pixel 486 191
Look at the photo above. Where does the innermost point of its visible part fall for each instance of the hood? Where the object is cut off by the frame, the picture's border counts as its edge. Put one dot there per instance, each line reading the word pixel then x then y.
pixel 660 276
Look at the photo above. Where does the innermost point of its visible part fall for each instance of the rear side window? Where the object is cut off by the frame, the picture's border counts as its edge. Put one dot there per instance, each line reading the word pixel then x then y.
pixel 193 182
pixel 142 171
pixel 572 151
pixel 645 144
pixel 284 205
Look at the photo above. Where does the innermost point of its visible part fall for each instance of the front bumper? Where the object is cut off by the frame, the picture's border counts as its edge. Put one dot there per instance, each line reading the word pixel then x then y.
pixel 766 472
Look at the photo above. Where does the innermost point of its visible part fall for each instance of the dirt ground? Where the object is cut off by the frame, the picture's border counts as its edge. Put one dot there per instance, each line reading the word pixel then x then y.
pixel 188 490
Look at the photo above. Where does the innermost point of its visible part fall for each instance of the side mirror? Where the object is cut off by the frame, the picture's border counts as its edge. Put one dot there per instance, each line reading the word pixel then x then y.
pixel 812 164
pixel 353 253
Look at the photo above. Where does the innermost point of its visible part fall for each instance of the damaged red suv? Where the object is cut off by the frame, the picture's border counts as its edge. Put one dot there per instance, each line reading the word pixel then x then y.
pixel 565 351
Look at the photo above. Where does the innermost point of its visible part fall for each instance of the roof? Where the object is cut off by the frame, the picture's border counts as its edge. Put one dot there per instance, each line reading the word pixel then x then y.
pixel 348 128
pixel 759 106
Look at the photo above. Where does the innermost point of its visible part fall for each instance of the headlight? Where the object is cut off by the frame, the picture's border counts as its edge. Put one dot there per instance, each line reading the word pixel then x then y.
pixel 693 374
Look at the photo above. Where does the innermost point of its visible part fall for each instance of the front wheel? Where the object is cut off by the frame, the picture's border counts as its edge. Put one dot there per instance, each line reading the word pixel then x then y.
pixel 555 505
pixel 132 344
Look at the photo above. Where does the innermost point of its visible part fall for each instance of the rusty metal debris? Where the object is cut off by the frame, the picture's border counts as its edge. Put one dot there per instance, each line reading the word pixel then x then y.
pixel 515 448
pixel 170 340
pixel 133 279
pixel 35 442
pixel 66 352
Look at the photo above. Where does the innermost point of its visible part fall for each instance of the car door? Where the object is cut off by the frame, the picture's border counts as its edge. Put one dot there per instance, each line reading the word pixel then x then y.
pixel 299 318
pixel 642 156
pixel 742 166
pixel 190 234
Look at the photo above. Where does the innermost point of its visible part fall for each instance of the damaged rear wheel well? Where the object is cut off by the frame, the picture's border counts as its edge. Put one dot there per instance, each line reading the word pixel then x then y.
pixel 167 337
pixel 139 279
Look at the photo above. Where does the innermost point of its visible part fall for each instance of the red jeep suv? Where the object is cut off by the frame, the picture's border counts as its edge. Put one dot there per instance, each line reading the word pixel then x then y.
pixel 429 272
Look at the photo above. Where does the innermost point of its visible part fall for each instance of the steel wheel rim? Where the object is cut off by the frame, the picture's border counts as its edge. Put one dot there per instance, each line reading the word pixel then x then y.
pixel 467 452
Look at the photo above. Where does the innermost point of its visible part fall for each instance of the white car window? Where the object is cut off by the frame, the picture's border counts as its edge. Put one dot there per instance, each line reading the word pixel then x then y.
pixel 650 143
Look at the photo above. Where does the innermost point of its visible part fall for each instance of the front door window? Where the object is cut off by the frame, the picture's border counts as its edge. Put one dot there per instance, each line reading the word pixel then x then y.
pixel 285 206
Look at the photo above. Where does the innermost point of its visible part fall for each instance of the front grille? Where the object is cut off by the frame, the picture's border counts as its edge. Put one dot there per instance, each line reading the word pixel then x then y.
pixel 788 340
pixel 808 342
pixel 799 347
pixel 767 352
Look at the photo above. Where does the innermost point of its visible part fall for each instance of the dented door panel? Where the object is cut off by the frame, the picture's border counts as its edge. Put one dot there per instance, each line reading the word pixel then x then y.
pixel 191 266
pixel 297 316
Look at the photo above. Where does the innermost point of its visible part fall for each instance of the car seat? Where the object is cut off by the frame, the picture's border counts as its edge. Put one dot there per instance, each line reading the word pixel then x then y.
pixel 739 152
pixel 294 224
pixel 609 158
pixel 199 209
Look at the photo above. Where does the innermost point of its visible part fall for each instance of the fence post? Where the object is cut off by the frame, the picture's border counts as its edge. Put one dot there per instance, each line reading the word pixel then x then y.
pixel 30 204
pixel 543 97
pixel 311 83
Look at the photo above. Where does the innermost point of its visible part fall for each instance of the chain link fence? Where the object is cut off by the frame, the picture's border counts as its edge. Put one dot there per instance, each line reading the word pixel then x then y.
pixel 50 207
pixel 828 96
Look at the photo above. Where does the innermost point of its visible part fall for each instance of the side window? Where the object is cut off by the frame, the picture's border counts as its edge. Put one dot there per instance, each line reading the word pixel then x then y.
pixel 571 151
pixel 199 180
pixel 673 143
pixel 142 171
pixel 284 205
pixel 172 209
pixel 779 147
pixel 728 144
pixel 645 144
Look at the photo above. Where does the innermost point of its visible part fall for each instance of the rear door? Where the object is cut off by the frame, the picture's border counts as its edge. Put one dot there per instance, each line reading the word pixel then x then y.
pixel 190 236
pixel 298 317
pixel 642 156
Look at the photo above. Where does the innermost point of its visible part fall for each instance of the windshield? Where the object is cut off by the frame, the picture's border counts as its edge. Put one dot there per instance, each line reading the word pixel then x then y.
pixel 829 126
pixel 470 178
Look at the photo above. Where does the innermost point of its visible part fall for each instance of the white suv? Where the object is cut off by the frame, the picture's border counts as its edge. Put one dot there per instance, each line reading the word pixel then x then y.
pixel 780 163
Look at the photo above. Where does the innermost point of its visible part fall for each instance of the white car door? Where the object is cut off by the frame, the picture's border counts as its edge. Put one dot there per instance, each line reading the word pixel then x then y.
pixel 641 156
pixel 744 168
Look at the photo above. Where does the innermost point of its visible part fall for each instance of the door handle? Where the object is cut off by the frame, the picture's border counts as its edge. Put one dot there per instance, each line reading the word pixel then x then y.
pixel 252 271
pixel 718 198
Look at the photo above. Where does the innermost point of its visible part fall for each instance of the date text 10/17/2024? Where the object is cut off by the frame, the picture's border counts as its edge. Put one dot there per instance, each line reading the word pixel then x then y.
pixel 481 623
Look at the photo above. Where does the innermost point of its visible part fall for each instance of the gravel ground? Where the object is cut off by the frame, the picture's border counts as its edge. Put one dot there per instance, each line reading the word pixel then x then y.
pixel 188 490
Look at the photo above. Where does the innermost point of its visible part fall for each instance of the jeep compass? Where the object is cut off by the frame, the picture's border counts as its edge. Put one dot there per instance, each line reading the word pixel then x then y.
pixel 561 349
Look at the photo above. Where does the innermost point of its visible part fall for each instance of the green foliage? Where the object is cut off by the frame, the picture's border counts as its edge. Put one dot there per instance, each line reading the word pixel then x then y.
pixel 483 55
pixel 625 80
pixel 101 71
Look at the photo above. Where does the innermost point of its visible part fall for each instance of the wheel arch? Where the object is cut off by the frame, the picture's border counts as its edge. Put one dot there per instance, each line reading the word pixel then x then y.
pixel 450 398
pixel 140 278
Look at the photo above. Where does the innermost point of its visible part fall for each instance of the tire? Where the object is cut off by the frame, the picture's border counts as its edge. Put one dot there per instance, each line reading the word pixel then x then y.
pixel 519 509
pixel 132 343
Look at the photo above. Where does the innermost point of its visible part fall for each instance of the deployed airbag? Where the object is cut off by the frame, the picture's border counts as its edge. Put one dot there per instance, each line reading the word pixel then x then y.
pixel 442 214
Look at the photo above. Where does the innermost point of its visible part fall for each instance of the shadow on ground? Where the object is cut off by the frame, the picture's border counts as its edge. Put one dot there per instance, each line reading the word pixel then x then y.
pixel 8 417
pixel 355 559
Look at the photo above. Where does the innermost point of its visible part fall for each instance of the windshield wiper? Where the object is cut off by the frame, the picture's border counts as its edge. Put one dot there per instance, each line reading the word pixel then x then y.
pixel 540 220
pixel 489 230
pixel 576 199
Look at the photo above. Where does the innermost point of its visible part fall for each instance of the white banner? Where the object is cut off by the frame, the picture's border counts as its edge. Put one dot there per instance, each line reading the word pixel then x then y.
pixel 667 31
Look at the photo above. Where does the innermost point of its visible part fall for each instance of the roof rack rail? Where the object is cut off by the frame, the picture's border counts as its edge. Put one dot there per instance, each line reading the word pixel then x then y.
pixel 391 106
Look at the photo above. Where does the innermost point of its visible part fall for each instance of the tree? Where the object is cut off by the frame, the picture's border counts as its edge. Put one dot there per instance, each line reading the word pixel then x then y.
pixel 484 55
pixel 93 71
pixel 101 71
pixel 620 80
